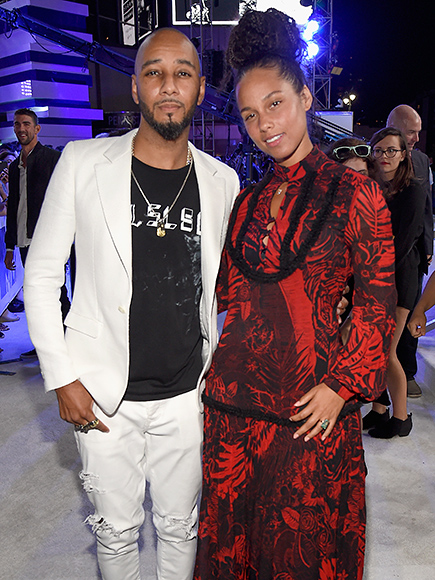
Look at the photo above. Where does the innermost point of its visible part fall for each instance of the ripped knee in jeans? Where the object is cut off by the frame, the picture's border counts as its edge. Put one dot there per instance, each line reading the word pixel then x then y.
pixel 89 482
pixel 99 524
pixel 176 529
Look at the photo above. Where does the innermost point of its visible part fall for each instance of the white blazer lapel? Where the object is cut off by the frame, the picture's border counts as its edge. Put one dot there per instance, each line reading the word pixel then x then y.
pixel 212 192
pixel 113 184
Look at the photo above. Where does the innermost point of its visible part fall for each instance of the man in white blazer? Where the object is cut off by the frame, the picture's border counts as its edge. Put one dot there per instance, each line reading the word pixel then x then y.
pixel 148 214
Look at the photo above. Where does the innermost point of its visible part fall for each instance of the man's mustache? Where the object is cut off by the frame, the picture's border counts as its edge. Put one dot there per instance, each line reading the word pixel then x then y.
pixel 171 101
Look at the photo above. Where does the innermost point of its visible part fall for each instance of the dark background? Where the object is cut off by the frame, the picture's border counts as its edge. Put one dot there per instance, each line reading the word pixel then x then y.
pixel 386 49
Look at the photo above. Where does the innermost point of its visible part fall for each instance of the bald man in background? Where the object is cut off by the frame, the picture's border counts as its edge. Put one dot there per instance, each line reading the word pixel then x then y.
pixel 407 120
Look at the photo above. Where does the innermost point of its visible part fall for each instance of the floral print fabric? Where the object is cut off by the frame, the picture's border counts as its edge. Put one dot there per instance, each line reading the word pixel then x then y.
pixel 274 507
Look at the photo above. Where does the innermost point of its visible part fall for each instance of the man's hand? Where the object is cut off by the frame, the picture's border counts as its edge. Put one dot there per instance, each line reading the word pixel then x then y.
pixel 9 260
pixel 417 324
pixel 75 405
pixel 322 403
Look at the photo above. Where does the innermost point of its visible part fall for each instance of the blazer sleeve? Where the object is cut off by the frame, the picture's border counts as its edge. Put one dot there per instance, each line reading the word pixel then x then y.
pixel 44 273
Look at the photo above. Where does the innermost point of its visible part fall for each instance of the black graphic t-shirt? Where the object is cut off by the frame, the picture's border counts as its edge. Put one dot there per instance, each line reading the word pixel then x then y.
pixel 165 336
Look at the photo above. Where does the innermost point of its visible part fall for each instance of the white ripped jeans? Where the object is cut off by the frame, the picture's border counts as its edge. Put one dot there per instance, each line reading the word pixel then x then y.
pixel 155 441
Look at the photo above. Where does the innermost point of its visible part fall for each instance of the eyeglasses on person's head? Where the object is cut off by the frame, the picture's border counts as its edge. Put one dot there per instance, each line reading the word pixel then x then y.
pixel 345 151
pixel 389 152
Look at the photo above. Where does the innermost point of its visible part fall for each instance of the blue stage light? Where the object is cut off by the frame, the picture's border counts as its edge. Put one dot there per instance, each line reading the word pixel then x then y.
pixel 311 28
pixel 312 50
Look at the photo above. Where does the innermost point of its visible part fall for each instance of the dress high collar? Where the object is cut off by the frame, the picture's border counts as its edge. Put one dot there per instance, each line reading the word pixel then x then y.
pixel 313 160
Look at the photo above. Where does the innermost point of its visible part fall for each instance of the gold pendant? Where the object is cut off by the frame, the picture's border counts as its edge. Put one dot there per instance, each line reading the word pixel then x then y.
pixel 161 232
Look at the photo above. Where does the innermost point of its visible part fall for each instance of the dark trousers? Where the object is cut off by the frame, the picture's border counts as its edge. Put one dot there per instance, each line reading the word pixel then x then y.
pixel 64 300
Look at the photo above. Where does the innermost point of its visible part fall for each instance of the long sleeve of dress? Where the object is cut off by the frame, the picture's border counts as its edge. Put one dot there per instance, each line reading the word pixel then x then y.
pixel 222 284
pixel 357 370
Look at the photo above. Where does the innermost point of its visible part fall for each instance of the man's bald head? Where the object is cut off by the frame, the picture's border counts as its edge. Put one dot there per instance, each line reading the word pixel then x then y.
pixel 163 37
pixel 407 120
pixel 167 84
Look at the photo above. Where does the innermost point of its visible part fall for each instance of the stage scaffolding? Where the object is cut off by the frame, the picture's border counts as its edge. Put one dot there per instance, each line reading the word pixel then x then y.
pixel 201 33
pixel 319 70
pixel 218 113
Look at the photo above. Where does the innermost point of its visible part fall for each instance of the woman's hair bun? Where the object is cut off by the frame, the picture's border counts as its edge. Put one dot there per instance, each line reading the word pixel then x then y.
pixel 264 35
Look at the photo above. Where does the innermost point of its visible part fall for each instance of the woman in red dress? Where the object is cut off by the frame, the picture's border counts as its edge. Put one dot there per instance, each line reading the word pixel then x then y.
pixel 284 469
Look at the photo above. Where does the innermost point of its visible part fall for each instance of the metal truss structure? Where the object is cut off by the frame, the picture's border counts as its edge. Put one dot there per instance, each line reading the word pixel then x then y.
pixel 200 15
pixel 216 105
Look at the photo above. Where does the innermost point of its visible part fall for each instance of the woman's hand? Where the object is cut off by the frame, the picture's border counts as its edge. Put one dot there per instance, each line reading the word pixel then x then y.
pixel 417 324
pixel 345 330
pixel 323 406
pixel 343 304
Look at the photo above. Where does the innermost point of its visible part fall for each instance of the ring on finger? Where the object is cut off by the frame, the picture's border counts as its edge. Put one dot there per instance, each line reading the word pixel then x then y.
pixel 85 428
pixel 324 424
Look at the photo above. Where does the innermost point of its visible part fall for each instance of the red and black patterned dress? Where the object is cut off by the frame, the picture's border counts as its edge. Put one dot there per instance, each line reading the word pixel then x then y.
pixel 274 507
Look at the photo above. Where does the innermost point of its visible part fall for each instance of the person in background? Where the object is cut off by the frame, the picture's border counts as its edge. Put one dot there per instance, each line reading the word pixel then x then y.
pixel 29 175
pixel 283 465
pixel 353 153
pixel 356 154
pixel 407 120
pixel 406 200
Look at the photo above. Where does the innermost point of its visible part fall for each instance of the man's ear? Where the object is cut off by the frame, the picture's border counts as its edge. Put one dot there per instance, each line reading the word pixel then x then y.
pixel 134 89
pixel 201 90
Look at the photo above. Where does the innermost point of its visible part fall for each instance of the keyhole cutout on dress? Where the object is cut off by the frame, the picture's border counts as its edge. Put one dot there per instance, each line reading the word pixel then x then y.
pixel 275 206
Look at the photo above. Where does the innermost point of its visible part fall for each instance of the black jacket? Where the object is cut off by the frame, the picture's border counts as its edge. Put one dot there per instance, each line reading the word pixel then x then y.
pixel 421 165
pixel 40 165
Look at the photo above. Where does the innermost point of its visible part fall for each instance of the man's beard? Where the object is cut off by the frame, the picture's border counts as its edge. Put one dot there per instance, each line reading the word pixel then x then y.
pixel 24 140
pixel 170 131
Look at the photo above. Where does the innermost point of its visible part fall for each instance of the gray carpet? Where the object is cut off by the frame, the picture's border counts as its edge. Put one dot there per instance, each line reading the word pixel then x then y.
pixel 42 506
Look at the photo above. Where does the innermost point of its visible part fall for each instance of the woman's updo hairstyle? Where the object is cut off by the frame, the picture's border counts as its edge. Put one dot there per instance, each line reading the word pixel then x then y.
pixel 267 40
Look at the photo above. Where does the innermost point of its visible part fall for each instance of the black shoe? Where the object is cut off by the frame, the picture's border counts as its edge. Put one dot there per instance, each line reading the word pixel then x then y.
pixel 375 419
pixel 29 354
pixel 393 427
pixel 16 306
pixel 413 389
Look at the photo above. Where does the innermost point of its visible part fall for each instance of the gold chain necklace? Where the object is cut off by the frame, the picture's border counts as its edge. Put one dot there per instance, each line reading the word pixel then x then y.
pixel 161 231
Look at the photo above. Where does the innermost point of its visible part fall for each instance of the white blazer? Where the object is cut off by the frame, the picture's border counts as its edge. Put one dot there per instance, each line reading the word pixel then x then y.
pixel 88 202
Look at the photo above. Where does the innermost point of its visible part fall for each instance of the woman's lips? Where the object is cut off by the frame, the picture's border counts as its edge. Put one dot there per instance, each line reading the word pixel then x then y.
pixel 273 141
